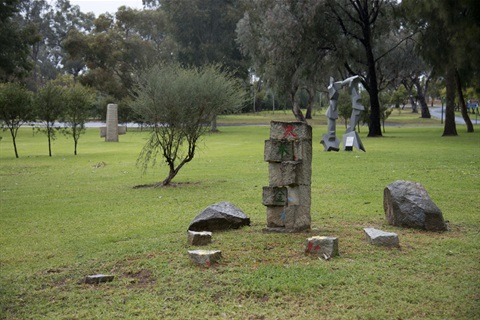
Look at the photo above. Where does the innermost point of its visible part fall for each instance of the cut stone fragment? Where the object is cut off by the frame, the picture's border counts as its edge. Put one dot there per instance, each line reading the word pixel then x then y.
pixel 205 257
pixel 201 238
pixel 325 247
pixel 98 278
pixel 382 238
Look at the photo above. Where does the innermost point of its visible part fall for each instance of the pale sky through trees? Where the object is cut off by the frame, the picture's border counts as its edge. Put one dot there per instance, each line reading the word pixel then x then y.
pixel 101 6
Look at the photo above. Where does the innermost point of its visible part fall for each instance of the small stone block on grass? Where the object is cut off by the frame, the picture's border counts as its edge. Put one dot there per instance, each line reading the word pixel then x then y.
pixel 98 278
pixel 205 257
pixel 382 238
pixel 199 238
pixel 325 247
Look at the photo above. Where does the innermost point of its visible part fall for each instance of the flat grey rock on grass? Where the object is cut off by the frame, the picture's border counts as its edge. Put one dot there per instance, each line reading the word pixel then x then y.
pixel 219 216
pixel 98 278
pixel 382 238
pixel 407 204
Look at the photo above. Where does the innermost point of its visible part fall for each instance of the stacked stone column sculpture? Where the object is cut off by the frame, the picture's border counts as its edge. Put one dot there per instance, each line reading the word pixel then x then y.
pixel 288 195
pixel 112 123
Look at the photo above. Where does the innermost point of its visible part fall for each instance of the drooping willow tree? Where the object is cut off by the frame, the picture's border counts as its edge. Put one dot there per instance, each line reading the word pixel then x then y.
pixel 180 103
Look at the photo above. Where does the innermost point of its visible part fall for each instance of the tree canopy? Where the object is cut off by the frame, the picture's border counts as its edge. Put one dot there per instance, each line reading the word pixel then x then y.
pixel 180 103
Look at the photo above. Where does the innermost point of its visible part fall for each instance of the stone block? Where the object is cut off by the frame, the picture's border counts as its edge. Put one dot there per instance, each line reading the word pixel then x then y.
pixel 121 130
pixel 98 278
pixel 325 247
pixel 205 257
pixel 278 150
pixel 111 134
pixel 103 132
pixel 276 217
pixel 199 238
pixel 275 196
pixel 284 173
pixel 292 218
pixel 382 238
pixel 290 130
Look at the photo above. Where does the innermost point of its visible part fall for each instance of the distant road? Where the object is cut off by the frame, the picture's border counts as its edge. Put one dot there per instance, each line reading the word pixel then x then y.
pixel 437 113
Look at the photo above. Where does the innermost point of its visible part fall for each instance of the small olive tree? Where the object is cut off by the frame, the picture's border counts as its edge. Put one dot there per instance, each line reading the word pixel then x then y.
pixel 78 103
pixel 15 109
pixel 49 108
pixel 180 104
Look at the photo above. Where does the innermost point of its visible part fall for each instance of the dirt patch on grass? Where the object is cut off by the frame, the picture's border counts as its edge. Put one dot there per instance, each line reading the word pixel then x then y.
pixel 140 278
pixel 161 185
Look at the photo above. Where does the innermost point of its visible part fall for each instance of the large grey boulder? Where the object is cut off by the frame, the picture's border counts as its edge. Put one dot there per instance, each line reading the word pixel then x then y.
pixel 219 216
pixel 407 204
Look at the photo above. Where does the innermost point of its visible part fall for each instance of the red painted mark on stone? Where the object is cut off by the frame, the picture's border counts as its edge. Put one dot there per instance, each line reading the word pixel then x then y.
pixel 310 246
pixel 317 248
pixel 208 263
pixel 289 130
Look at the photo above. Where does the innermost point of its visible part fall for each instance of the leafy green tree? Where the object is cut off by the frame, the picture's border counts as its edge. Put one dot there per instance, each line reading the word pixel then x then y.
pixel 179 104
pixel 78 102
pixel 15 109
pixel 365 26
pixel 287 41
pixel 49 108
pixel 51 21
pixel 14 43
pixel 204 31
pixel 118 47
pixel 452 27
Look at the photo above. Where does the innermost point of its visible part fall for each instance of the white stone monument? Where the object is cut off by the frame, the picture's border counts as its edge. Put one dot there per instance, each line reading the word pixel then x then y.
pixel 112 123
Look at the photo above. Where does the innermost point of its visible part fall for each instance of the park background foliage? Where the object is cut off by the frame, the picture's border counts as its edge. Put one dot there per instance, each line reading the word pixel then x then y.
pixel 65 217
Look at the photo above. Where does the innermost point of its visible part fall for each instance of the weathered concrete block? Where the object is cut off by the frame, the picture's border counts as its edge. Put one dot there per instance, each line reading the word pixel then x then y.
pixel 382 238
pixel 292 218
pixel 290 130
pixel 205 257
pixel 284 173
pixel 98 278
pixel 325 247
pixel 275 196
pixel 407 204
pixel 278 150
pixel 199 238
pixel 289 153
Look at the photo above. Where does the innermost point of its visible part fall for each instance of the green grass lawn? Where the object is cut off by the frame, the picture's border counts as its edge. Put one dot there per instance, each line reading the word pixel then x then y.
pixel 67 216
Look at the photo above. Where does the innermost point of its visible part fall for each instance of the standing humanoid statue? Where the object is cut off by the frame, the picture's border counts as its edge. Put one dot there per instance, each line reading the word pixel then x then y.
pixel 351 138
pixel 329 140
pixel 357 107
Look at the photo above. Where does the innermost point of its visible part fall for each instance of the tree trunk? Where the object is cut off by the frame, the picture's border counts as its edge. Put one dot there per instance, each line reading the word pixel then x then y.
pixel 297 112
pixel 12 132
pixel 450 128
pixel 311 99
pixel 49 141
pixel 375 128
pixel 214 125
pixel 461 100
pixel 421 98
